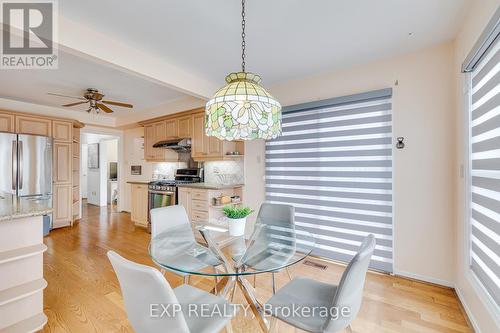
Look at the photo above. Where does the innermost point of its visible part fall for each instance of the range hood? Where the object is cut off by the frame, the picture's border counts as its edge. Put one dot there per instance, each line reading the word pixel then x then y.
pixel 178 145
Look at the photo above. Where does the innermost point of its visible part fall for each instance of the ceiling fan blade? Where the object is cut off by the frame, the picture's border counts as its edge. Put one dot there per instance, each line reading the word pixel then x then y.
pixel 73 104
pixel 60 95
pixel 125 105
pixel 104 108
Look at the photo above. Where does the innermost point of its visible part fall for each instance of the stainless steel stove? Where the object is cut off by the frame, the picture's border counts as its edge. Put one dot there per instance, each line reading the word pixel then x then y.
pixel 163 192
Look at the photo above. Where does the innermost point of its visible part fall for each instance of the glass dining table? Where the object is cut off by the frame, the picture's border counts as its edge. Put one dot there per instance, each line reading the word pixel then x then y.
pixel 273 246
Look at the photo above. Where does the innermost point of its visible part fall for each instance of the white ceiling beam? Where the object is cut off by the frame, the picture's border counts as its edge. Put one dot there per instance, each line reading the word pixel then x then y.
pixel 78 39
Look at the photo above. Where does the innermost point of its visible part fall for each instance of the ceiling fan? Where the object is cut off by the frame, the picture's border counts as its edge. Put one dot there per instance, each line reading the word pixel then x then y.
pixel 94 98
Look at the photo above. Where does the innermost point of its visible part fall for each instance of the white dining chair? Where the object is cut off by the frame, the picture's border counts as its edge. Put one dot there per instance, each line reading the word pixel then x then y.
pixel 165 218
pixel 304 292
pixel 147 294
pixel 279 215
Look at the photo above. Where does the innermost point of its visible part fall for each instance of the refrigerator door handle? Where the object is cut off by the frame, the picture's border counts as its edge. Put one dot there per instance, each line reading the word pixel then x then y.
pixel 14 164
pixel 20 165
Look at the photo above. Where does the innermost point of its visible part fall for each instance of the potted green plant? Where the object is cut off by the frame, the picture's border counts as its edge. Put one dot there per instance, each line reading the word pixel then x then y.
pixel 236 218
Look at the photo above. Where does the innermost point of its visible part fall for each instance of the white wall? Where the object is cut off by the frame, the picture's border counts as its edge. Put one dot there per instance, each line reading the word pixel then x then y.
pixel 423 110
pixel 134 156
pixel 473 298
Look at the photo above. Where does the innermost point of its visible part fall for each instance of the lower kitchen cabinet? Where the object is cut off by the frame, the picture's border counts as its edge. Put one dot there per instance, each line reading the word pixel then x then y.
pixel 139 204
pixel 62 214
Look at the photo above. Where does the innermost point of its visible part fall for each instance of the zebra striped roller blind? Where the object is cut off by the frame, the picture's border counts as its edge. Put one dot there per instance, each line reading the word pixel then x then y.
pixel 334 164
pixel 485 172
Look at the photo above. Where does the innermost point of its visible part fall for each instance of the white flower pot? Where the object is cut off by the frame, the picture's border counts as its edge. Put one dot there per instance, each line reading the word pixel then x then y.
pixel 236 226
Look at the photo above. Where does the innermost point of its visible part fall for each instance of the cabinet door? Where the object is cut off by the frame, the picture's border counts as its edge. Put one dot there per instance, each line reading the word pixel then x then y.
pixel 33 125
pixel 139 211
pixel 148 142
pixel 171 129
pixel 214 147
pixel 185 200
pixel 198 144
pixel 160 131
pixel 185 127
pixel 62 130
pixel 6 122
pixel 62 162
pixel 62 213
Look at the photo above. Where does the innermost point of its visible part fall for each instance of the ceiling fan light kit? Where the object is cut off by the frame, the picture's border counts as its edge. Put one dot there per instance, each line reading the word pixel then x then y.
pixel 243 109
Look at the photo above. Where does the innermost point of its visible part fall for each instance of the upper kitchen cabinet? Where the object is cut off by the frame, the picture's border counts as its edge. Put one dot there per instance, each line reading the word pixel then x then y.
pixel 7 122
pixel 152 134
pixel 171 129
pixel 33 125
pixel 185 127
pixel 188 124
pixel 62 130
pixel 205 148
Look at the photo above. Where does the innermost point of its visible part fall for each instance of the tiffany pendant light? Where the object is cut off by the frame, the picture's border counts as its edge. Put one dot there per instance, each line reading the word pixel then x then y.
pixel 243 109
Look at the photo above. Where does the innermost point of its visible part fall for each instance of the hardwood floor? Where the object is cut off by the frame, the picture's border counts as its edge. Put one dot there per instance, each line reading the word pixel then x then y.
pixel 83 294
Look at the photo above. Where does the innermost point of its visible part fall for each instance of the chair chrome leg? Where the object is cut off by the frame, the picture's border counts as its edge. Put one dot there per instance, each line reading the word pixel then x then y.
pixel 233 292
pixel 187 278
pixel 348 329
pixel 162 271
pixel 274 283
pixel 254 280
pixel 272 325
pixel 288 273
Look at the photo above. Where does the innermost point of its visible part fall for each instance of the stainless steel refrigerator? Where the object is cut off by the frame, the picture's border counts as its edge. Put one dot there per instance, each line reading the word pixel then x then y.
pixel 26 166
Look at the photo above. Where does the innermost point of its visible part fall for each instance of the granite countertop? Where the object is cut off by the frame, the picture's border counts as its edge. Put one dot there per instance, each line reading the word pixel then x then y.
pixel 15 208
pixel 210 186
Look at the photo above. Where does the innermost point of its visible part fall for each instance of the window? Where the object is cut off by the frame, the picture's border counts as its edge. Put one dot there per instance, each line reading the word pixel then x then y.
pixel 484 175
pixel 334 164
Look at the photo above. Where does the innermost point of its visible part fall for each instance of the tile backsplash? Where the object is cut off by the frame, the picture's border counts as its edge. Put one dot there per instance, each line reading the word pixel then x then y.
pixel 166 170
pixel 233 171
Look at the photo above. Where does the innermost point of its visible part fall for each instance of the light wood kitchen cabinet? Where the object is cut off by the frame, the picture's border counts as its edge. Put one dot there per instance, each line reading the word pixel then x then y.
pixel 188 124
pixel 62 162
pixel 33 125
pixel 62 130
pixel 62 214
pixel 171 129
pixel 139 210
pixel 184 125
pixel 7 122
pixel 199 138
pixel 159 131
pixel 185 199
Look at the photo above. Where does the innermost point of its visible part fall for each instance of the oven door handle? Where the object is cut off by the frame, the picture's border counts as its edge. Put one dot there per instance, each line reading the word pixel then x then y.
pixel 162 192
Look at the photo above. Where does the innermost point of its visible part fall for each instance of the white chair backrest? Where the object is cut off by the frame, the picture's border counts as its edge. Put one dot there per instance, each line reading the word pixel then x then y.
pixel 350 290
pixel 167 217
pixel 141 287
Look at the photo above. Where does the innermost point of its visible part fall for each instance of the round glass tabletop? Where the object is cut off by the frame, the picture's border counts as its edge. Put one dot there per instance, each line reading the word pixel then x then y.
pixel 272 247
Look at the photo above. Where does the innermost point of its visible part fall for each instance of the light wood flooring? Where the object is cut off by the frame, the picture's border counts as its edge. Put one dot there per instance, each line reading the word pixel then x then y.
pixel 83 294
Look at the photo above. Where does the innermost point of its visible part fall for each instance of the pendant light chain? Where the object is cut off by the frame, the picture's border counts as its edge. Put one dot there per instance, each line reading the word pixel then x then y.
pixel 243 23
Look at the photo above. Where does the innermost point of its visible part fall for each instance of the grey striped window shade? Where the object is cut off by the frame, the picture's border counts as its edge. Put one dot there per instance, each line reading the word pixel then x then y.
pixel 334 164
pixel 485 172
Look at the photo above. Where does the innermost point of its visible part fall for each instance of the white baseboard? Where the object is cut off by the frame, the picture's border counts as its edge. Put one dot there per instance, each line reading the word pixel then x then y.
pixel 472 319
pixel 424 278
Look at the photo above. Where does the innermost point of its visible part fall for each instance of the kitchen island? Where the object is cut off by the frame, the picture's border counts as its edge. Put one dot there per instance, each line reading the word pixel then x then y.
pixel 21 263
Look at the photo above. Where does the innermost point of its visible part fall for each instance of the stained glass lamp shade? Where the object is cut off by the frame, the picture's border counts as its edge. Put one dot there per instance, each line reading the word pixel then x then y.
pixel 243 110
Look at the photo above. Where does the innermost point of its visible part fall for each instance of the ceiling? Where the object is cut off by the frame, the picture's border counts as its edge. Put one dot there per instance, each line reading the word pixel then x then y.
pixel 74 75
pixel 286 39
pixel 158 55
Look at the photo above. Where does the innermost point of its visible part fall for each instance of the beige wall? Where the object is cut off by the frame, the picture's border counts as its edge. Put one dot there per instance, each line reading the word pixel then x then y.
pixel 472 297
pixel 132 156
pixel 423 172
